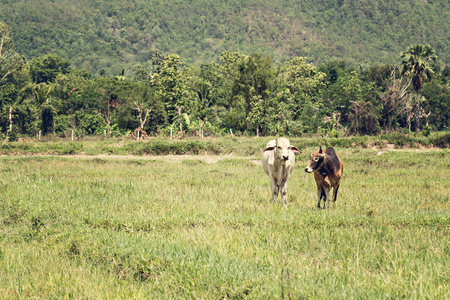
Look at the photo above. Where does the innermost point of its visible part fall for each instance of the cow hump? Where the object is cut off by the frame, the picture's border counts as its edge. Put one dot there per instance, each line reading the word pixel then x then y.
pixel 332 159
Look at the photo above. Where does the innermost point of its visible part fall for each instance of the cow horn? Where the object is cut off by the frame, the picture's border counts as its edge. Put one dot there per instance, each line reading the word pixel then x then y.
pixel 320 149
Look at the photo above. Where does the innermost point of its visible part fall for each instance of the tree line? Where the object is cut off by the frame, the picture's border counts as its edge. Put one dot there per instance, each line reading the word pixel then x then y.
pixel 249 94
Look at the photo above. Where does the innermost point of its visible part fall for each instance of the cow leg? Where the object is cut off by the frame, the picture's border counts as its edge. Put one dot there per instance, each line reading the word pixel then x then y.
pixel 327 198
pixel 320 194
pixel 335 191
pixel 283 190
pixel 274 188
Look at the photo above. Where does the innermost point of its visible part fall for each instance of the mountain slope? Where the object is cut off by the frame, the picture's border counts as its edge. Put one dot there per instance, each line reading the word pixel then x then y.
pixel 115 35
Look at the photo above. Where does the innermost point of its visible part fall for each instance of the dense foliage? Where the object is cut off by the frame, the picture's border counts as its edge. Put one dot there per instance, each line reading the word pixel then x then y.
pixel 243 94
pixel 113 35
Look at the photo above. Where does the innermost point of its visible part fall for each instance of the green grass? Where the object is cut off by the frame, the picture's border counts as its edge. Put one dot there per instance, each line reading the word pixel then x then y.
pixel 107 228
pixel 242 146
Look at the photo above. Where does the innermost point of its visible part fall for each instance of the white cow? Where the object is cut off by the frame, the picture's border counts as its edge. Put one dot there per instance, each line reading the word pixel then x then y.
pixel 278 162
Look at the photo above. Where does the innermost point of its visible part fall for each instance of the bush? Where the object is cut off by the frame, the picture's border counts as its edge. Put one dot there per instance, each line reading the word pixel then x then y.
pixel 14 134
pixel 442 141
pixel 71 148
pixel 426 130
pixel 89 123
pixel 175 147
pixel 399 139
pixel 63 123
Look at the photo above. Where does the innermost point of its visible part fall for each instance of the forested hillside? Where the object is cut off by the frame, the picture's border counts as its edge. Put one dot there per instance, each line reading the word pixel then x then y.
pixel 114 35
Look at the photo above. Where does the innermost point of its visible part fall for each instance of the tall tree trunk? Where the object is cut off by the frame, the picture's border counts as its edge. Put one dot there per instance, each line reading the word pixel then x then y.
pixel 417 114
pixel 10 119
pixel 108 120
pixel 409 114
pixel 180 109
pixel 140 110
pixel 200 125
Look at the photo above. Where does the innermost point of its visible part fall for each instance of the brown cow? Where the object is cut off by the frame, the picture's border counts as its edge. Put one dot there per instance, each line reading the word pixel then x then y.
pixel 328 169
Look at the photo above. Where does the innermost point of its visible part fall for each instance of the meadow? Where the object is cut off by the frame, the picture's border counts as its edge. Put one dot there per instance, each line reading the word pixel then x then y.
pixel 203 227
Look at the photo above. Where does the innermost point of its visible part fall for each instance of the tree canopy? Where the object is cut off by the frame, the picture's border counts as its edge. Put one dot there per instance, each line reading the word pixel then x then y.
pixel 109 36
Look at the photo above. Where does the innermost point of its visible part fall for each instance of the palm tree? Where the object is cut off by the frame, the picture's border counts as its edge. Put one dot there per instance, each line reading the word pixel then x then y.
pixel 48 111
pixel 415 64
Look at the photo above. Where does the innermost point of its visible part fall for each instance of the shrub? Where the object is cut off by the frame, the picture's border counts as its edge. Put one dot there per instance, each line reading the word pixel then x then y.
pixel 63 123
pixel 89 123
pixel 175 147
pixel 426 130
pixel 442 141
pixel 71 148
pixel 14 134
pixel 399 139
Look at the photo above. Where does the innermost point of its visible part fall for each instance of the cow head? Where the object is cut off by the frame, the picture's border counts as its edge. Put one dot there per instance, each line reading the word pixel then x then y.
pixel 282 148
pixel 316 162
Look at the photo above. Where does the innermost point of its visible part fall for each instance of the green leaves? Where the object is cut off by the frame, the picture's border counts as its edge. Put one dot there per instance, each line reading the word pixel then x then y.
pixel 46 68
pixel 171 84
pixel 416 63
pixel 5 39
pixel 42 92
pixel 10 61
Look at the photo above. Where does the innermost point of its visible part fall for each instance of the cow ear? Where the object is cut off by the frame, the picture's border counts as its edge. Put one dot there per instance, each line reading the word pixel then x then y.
pixel 312 155
pixel 294 149
pixel 269 149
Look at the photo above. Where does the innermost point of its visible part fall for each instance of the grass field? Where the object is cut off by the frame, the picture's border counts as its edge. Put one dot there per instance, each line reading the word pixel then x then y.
pixel 204 227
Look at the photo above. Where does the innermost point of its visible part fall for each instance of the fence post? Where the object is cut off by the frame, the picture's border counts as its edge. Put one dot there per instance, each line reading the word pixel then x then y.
pixel 72 135
pixel 39 135
pixel 231 131
pixel 138 135
pixel 171 132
